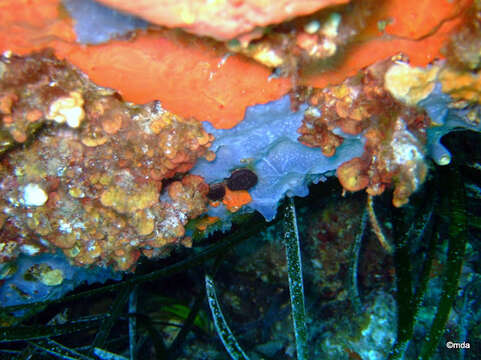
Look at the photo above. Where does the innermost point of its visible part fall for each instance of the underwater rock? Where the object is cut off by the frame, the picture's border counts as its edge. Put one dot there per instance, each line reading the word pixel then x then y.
pixel 369 336
pixel 90 179
pixel 103 181
pixel 147 66
pixel 376 130
pixel 266 141
pixel 91 186
pixel 151 65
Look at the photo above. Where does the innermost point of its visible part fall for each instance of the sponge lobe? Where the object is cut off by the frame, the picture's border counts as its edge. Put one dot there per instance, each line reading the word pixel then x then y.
pixel 266 141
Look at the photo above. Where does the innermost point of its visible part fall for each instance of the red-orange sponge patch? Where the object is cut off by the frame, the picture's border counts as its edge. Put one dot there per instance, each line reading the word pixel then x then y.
pixel 417 28
pixel 234 200
pixel 192 77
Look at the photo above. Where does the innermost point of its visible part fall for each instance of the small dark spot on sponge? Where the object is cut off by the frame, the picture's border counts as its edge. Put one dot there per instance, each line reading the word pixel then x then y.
pixel 241 179
pixel 216 191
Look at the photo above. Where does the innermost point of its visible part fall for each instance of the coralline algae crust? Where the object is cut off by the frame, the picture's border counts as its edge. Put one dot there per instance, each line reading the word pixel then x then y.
pixel 266 142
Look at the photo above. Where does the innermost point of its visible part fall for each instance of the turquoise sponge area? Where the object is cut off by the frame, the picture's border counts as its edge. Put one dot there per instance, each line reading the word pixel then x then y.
pixel 447 119
pixel 266 142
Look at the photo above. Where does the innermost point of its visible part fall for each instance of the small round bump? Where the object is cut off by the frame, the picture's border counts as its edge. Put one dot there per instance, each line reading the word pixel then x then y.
pixel 241 179
pixel 216 191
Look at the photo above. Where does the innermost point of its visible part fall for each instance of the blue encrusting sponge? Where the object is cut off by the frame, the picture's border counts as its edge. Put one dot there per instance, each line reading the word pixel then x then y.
pixel 96 23
pixel 21 287
pixel 266 142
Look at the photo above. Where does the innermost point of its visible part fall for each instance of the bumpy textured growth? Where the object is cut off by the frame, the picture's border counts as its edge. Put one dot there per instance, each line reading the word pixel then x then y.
pixel 89 182
pixel 395 133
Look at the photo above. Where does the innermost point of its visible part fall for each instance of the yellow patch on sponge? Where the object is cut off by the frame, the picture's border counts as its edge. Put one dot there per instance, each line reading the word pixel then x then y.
pixel 410 84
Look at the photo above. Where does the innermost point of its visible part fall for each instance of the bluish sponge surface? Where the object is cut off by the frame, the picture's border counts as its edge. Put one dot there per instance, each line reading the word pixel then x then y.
pixel 266 142
pixel 20 288
pixel 447 119
pixel 96 23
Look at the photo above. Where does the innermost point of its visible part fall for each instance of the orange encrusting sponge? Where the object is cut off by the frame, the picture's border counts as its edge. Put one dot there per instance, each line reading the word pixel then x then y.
pixel 417 28
pixel 193 77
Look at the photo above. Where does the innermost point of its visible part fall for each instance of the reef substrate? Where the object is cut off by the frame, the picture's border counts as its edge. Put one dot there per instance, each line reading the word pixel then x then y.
pixel 88 177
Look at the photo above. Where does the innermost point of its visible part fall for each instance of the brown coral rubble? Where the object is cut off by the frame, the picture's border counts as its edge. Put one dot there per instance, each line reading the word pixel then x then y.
pixel 394 132
pixel 90 180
